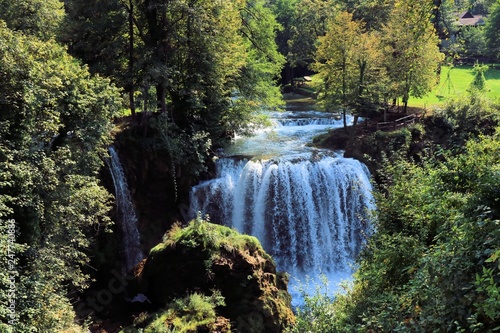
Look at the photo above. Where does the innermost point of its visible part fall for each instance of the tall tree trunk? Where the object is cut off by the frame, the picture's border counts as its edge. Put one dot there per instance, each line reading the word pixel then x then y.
pixel 131 57
pixel 353 128
pixel 344 90
pixel 161 92
pixel 344 117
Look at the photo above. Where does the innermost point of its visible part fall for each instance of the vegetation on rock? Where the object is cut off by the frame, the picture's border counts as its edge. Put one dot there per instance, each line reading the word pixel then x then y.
pixel 213 261
pixel 194 313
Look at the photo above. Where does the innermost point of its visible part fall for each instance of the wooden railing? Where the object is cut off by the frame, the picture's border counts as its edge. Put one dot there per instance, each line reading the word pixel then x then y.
pixel 398 123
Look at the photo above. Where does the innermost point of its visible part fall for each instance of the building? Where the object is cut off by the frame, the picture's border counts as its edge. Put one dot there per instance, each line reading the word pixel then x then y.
pixel 467 19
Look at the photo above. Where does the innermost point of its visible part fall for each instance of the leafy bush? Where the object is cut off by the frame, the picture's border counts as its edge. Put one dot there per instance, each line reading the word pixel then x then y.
pixel 470 115
pixel 185 150
pixel 317 312
pixel 432 264
pixel 183 315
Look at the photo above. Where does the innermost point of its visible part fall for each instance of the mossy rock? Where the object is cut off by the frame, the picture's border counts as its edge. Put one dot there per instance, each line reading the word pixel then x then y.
pixel 204 257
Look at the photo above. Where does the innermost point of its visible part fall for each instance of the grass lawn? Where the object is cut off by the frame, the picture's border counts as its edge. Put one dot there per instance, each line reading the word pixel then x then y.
pixel 455 82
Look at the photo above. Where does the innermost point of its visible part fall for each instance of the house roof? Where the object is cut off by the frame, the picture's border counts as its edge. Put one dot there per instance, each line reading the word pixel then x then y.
pixel 466 18
pixel 466 15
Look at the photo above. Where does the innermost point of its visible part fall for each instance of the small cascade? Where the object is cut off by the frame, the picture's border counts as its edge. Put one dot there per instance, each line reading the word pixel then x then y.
pixel 310 212
pixel 306 121
pixel 126 216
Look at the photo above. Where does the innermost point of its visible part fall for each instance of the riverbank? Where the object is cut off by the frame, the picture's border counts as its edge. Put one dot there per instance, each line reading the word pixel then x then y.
pixel 299 102
pixel 368 144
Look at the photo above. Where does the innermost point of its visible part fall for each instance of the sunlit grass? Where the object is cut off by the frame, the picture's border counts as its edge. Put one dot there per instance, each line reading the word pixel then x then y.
pixel 455 82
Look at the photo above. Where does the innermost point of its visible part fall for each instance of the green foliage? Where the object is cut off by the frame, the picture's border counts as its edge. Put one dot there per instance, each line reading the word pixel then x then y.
pixel 487 284
pixel 431 266
pixel 491 30
pixel 210 64
pixel 201 233
pixel 479 82
pixel 411 52
pixel 309 22
pixel 381 146
pixel 349 65
pixel 374 13
pixel 472 41
pixel 41 18
pixel 469 116
pixel 184 315
pixel 186 150
pixel 105 21
pixel 317 313
pixel 54 124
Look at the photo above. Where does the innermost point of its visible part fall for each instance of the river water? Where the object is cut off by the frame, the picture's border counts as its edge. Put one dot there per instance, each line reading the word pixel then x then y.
pixel 308 207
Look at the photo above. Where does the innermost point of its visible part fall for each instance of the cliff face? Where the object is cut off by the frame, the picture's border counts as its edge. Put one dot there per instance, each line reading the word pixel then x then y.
pixel 204 257
pixel 159 180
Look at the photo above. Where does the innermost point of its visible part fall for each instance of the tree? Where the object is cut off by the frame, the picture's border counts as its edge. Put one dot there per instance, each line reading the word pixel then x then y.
pixel 285 12
pixel 196 56
pixel 348 62
pixel 479 82
pixel 474 42
pixel 98 32
pixel 55 121
pixel 309 24
pixel 411 50
pixel 482 6
pixel 492 31
pixel 41 18
pixel 374 13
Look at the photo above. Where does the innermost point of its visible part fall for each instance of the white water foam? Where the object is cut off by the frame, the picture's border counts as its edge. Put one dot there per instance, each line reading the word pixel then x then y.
pixel 309 211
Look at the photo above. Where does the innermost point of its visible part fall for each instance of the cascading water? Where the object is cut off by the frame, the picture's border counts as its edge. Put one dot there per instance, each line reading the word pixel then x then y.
pixel 309 208
pixel 127 219
pixel 308 214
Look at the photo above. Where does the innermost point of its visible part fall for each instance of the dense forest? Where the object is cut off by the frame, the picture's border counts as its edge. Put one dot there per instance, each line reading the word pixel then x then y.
pixel 176 80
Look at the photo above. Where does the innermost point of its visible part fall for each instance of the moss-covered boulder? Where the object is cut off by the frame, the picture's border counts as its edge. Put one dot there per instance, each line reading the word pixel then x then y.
pixel 204 257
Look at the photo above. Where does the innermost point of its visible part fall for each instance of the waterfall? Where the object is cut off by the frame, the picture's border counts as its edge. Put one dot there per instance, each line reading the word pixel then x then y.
pixel 309 208
pixel 309 212
pixel 126 216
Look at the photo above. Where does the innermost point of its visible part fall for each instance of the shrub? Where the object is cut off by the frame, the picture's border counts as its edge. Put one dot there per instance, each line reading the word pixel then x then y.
pixel 432 264
pixel 183 315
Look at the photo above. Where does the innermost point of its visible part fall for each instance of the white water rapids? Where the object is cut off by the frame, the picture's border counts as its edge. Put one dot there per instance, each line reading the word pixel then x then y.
pixel 309 208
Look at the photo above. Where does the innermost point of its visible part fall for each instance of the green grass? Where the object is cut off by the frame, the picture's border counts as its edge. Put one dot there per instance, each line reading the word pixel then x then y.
pixel 459 80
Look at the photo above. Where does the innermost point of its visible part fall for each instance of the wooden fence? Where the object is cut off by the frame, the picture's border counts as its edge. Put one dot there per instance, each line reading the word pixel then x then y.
pixel 398 123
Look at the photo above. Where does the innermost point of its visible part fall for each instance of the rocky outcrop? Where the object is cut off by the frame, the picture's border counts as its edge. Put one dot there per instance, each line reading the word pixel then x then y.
pixel 159 186
pixel 204 257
